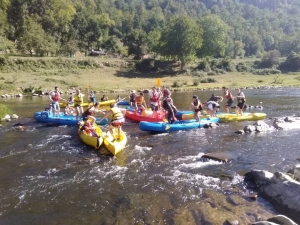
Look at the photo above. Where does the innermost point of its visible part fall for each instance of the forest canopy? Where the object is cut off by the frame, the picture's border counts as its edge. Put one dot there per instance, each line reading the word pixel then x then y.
pixel 217 28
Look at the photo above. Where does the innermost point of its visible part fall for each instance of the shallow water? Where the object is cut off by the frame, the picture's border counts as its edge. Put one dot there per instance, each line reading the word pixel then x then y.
pixel 49 176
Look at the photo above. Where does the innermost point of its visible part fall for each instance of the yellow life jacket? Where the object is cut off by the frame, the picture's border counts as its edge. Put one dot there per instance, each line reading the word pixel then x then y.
pixel 117 114
pixel 78 99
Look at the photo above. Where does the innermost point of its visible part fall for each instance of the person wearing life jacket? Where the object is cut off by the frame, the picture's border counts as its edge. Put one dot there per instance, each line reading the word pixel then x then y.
pixel 89 127
pixel 167 105
pixel 55 97
pixel 197 107
pixel 117 118
pixel 212 107
pixel 132 98
pixel 90 112
pixel 140 103
pixel 241 99
pixel 216 99
pixel 154 99
pixel 229 97
pixel 78 100
pixel 166 92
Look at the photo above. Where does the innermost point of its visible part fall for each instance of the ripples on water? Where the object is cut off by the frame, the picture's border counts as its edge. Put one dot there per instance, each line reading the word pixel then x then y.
pixel 48 174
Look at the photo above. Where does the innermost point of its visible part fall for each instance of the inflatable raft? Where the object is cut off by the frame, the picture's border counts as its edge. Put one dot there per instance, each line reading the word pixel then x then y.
pixel 146 115
pixel 162 127
pixel 47 117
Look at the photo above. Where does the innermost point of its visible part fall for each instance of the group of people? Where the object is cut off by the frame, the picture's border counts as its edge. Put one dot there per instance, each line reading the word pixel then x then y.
pixel 88 115
pixel 158 100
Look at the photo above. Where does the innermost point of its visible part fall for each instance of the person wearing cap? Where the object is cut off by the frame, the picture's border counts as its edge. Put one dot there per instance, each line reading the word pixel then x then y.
pixel 154 99
pixel 117 118
pixel 197 107
pixel 55 97
pixel 140 103
pixel 78 100
pixel 92 97
pixel 90 112
pixel 132 98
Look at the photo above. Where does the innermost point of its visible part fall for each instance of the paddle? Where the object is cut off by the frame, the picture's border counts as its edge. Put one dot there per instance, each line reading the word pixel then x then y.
pixel 158 82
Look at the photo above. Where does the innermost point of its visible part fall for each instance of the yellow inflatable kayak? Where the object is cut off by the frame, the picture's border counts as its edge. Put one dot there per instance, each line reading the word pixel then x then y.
pixel 85 104
pixel 229 117
pixel 115 143
pixel 88 139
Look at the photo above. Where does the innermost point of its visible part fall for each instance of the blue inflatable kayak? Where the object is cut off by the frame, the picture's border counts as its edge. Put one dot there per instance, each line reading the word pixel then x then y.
pixel 123 103
pixel 47 117
pixel 177 125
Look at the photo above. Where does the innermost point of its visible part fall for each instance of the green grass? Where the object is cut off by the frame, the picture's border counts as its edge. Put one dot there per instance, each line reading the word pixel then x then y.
pixel 4 109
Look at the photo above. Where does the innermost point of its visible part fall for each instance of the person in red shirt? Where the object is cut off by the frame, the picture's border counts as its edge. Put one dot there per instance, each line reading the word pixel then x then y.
pixel 229 97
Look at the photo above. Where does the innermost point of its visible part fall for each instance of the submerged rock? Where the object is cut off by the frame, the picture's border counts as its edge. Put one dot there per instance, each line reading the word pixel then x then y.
pixel 211 125
pixel 220 157
pixel 280 189
pixel 277 220
pixel 287 123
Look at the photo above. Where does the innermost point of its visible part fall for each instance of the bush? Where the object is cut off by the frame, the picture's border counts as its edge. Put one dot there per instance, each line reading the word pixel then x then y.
pixel 211 73
pixel 270 59
pixel 266 71
pixel 196 82
pixel 146 65
pixel 243 67
pixel 198 73
pixel 177 83
pixel 292 63
pixel 208 80
pixel 4 109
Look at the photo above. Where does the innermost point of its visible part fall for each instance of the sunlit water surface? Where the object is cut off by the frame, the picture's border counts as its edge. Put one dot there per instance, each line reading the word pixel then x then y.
pixel 47 173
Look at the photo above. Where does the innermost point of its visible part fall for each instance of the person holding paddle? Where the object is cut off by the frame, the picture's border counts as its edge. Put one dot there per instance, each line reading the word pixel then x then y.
pixel 197 107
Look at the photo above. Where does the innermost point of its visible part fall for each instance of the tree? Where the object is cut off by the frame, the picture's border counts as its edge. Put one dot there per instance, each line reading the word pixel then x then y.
pixel 181 39
pixel 214 36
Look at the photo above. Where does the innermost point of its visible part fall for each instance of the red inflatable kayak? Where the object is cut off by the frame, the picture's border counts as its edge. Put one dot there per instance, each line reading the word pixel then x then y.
pixel 149 116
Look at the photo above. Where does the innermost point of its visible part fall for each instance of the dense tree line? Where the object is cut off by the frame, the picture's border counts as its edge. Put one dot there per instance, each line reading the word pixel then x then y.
pixel 176 29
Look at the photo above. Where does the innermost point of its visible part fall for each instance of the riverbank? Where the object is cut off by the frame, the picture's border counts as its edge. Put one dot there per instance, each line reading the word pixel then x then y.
pixel 118 75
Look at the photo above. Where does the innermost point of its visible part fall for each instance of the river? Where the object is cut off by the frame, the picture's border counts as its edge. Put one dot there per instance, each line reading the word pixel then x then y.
pixel 48 176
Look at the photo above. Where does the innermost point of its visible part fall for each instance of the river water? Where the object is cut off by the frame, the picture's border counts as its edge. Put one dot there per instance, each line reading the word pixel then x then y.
pixel 48 176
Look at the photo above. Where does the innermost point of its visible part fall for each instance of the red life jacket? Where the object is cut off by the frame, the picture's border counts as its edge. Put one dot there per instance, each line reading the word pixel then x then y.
pixel 55 97
pixel 228 96
pixel 154 97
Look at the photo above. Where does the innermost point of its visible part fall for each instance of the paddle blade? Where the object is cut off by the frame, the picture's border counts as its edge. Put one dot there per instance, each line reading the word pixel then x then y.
pixel 158 82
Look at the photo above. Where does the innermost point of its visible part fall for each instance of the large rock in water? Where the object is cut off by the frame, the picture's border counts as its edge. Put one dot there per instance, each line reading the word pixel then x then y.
pixel 280 189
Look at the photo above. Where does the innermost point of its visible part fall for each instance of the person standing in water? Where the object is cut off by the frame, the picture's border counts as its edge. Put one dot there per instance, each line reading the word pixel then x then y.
pixel 229 97
pixel 197 107
pixel 241 99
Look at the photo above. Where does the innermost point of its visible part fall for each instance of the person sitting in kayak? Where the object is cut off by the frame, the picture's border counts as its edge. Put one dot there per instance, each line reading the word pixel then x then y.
pixel 104 98
pixel 197 107
pixel 71 99
pixel 92 98
pixel 229 97
pixel 69 111
pixel 78 100
pixel 154 99
pixel 212 107
pixel 132 98
pixel 118 99
pixel 140 103
pixel 90 112
pixel 241 99
pixel 117 119
pixel 167 104
pixel 89 127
